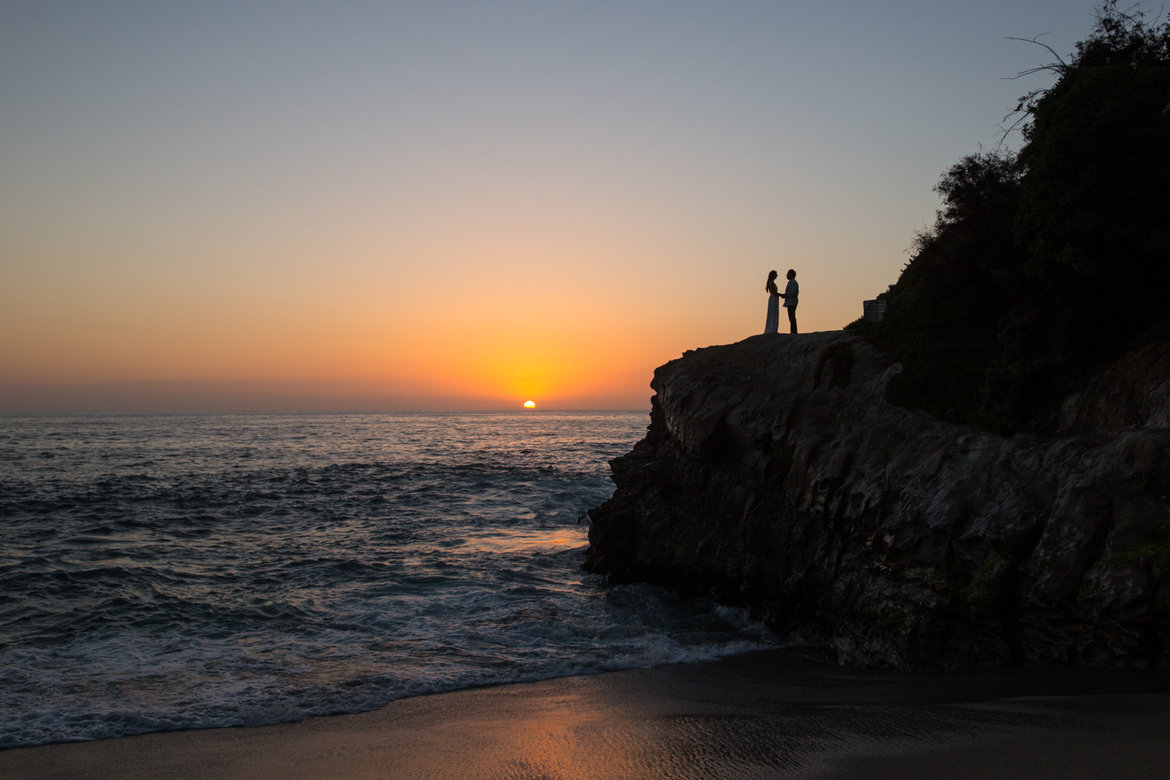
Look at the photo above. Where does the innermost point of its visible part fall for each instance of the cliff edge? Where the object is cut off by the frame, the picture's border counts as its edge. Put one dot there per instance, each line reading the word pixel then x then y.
pixel 775 475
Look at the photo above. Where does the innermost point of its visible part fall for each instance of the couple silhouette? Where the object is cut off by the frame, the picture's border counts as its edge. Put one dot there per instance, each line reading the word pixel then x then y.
pixel 790 295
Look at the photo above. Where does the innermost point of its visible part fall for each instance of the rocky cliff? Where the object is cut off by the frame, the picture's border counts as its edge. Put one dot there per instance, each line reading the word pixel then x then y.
pixel 775 475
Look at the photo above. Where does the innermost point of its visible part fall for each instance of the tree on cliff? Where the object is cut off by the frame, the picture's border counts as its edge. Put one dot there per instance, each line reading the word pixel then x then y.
pixel 943 314
pixel 1042 266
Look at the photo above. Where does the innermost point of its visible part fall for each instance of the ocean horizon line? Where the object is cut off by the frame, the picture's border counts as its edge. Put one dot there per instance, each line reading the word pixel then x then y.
pixel 323 412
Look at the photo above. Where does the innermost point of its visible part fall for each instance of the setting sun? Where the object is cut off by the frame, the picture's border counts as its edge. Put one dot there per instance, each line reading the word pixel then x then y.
pixel 529 405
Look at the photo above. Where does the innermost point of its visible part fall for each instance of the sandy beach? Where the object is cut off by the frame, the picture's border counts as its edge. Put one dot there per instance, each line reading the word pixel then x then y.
pixel 768 714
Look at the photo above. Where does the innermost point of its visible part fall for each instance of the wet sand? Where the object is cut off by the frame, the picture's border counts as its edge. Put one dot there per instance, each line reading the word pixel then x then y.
pixel 769 714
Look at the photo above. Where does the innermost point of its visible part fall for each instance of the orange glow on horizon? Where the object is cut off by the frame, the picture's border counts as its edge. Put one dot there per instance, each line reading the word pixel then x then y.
pixel 574 340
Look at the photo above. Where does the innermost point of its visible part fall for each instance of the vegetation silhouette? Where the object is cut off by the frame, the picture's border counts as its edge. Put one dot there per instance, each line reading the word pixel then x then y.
pixel 1045 265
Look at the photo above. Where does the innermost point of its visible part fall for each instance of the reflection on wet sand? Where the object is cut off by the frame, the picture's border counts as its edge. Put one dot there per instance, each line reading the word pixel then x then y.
pixel 768 714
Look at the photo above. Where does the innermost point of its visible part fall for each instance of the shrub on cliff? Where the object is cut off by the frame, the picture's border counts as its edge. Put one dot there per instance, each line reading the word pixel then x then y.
pixel 1044 265
pixel 943 315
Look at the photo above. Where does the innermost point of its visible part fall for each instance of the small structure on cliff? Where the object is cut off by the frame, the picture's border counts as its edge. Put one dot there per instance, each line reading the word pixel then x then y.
pixel 873 311
pixel 775 475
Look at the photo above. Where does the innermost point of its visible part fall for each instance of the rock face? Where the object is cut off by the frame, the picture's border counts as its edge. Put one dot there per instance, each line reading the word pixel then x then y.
pixel 774 475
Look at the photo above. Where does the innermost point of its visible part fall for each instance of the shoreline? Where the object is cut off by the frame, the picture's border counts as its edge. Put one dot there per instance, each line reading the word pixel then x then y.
pixel 771 713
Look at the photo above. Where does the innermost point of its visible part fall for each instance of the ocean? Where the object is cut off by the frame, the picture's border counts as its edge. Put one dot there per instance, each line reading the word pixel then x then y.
pixel 163 572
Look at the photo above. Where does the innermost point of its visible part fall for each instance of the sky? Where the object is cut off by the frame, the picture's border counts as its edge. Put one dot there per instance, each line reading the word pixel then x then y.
pixel 461 204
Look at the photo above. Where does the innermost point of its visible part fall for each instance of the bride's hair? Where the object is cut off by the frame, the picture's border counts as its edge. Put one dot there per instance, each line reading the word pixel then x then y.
pixel 771 278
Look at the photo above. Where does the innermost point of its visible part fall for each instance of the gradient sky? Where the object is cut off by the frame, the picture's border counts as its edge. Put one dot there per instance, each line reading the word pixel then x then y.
pixel 438 204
